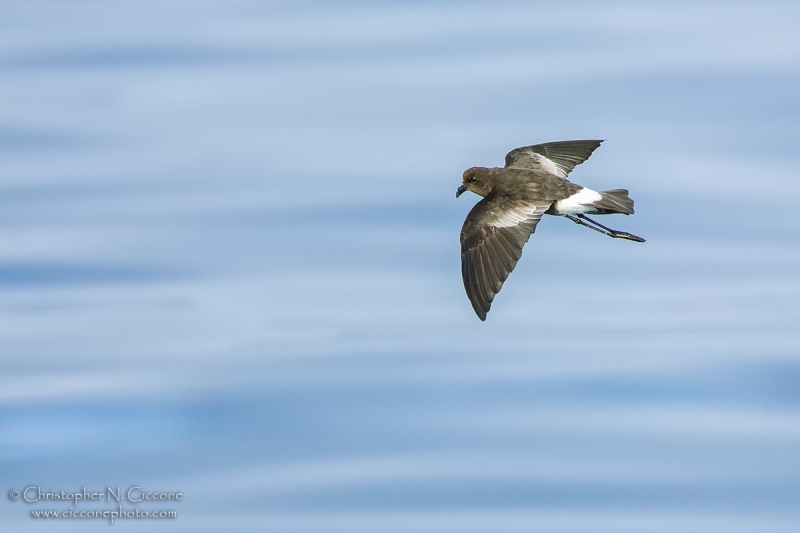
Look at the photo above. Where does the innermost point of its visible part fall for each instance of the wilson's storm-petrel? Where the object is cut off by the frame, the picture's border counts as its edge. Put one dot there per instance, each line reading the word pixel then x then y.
pixel 533 183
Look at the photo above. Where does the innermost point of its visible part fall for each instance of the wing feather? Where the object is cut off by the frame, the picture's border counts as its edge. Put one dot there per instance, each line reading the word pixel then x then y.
pixel 492 239
pixel 481 294
pixel 491 271
pixel 556 158
pixel 468 277
pixel 497 250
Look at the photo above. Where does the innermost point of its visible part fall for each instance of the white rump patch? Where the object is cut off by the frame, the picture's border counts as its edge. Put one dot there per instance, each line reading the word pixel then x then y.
pixel 580 202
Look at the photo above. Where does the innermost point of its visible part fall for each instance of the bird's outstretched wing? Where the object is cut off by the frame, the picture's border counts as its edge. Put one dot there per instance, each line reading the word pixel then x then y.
pixel 556 158
pixel 492 238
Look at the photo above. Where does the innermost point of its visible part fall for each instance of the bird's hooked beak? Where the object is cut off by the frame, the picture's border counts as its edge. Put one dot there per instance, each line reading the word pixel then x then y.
pixel 461 189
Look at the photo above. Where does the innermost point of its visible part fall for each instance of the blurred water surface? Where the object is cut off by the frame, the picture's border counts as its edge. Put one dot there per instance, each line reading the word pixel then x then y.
pixel 229 265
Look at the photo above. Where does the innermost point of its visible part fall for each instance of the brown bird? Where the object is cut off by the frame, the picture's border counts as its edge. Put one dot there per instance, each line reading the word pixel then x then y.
pixel 533 183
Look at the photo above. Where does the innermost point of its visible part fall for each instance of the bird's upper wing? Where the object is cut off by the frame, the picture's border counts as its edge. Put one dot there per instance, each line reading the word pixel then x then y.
pixel 556 158
pixel 492 238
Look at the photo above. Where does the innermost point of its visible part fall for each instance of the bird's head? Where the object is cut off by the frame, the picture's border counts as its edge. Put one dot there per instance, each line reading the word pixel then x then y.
pixel 477 180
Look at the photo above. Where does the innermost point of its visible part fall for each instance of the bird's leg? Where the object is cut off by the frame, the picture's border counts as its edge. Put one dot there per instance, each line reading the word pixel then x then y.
pixel 581 219
pixel 612 232
pixel 582 223
pixel 584 217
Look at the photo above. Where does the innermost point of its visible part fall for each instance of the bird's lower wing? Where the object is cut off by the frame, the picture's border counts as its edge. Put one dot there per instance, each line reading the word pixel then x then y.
pixel 491 244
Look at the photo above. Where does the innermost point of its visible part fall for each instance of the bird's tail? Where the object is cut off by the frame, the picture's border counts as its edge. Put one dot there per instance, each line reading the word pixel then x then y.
pixel 614 201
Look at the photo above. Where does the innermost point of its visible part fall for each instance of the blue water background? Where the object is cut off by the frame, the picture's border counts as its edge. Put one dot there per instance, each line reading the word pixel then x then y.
pixel 229 266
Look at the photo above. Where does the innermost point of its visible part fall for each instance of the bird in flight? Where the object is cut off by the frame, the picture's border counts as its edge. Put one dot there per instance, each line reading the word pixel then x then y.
pixel 533 183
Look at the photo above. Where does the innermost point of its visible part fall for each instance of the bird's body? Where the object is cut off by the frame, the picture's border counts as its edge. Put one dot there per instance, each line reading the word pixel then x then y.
pixel 533 183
